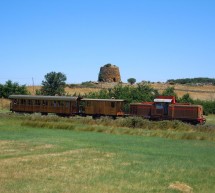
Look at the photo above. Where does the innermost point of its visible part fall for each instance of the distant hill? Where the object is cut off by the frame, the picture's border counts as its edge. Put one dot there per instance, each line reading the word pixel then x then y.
pixel 193 81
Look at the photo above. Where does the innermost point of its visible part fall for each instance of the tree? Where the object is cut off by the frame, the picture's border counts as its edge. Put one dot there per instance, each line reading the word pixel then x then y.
pixel 186 99
pixel 170 91
pixel 131 80
pixel 54 84
pixel 10 88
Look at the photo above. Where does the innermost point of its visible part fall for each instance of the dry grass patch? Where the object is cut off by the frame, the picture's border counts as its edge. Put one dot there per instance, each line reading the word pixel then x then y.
pixel 81 91
pixel 206 92
pixel 11 147
pixel 70 91
pixel 182 187
pixel 4 103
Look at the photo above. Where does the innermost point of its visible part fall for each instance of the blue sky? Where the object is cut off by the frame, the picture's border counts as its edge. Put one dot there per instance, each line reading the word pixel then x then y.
pixel 152 40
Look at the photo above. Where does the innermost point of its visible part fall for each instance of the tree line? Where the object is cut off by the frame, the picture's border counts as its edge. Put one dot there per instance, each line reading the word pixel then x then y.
pixel 54 84
pixel 199 80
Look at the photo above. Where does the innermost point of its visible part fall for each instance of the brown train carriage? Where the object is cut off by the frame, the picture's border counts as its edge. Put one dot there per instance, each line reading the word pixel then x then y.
pixel 102 107
pixel 60 105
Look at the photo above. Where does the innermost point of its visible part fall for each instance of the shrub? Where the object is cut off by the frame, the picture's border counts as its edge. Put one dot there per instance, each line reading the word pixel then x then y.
pixel 10 88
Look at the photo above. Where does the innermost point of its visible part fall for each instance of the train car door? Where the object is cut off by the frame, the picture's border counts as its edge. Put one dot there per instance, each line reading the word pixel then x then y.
pixel 165 109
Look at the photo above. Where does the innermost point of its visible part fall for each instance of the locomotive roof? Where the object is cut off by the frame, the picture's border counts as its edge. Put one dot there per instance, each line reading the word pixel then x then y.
pixel 108 100
pixel 37 97
pixel 163 100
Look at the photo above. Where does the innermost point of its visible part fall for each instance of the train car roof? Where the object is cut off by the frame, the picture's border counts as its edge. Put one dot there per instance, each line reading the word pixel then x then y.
pixel 108 100
pixel 142 104
pixel 39 97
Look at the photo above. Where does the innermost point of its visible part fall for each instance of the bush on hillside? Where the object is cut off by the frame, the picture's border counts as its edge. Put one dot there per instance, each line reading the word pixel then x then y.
pixel 10 88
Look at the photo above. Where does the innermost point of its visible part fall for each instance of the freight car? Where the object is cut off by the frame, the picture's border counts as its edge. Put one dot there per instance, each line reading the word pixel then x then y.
pixel 166 108
pixel 67 106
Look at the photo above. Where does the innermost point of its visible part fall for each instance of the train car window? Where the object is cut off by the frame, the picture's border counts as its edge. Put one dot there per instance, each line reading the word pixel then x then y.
pixel 55 104
pixel 23 102
pixel 49 103
pixel 37 102
pixel 45 103
pixel 58 103
pixel 88 103
pixel 67 104
pixel 159 106
pixel 30 102
pixel 113 104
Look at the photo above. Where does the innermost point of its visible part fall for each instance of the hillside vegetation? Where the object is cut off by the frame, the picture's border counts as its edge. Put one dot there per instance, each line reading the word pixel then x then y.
pixel 201 92
pixel 199 80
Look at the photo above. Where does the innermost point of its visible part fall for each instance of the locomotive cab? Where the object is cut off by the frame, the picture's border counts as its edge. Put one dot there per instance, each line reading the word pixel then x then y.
pixel 160 109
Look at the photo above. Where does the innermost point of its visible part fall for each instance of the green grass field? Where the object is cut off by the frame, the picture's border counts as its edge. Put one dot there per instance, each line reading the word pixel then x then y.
pixel 35 159
pixel 210 120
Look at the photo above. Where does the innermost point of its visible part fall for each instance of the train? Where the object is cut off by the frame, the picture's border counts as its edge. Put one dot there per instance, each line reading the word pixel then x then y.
pixel 162 108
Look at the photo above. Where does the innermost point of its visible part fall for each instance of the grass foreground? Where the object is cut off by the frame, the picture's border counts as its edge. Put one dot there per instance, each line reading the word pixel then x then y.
pixel 43 157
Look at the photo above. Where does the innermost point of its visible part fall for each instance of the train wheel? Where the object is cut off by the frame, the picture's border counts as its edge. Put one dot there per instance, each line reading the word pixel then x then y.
pixel 95 116
pixel 113 117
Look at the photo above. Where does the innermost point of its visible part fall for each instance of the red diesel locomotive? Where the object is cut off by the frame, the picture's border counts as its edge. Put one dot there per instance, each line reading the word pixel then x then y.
pixel 166 108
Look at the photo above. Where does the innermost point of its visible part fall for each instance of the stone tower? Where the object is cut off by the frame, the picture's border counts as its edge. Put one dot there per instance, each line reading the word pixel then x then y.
pixel 109 73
